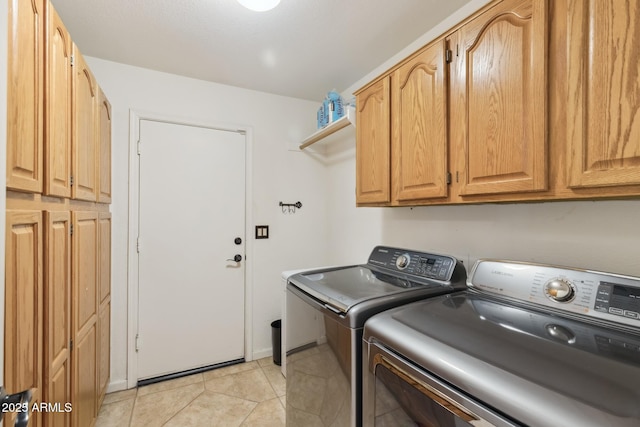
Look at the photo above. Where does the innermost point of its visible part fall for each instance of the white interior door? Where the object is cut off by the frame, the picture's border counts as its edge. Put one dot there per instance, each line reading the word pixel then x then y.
pixel 191 211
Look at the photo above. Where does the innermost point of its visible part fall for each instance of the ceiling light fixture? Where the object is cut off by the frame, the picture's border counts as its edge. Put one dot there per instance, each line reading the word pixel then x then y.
pixel 259 5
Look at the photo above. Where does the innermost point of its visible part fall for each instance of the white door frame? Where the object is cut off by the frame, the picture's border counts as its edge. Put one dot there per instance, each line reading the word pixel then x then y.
pixel 132 274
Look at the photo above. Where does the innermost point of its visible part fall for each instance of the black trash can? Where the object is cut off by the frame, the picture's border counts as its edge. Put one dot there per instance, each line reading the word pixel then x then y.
pixel 276 340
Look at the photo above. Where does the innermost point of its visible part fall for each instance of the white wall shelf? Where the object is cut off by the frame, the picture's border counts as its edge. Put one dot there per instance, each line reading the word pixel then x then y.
pixel 348 119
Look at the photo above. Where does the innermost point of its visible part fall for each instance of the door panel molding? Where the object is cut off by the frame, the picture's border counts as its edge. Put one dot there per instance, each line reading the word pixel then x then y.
pixel 135 116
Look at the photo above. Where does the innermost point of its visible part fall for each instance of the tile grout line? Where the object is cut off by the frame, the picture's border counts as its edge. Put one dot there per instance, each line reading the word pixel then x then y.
pixel 187 405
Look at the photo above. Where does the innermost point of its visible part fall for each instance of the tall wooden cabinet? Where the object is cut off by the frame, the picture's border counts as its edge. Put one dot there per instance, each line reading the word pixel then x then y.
pixel 58 229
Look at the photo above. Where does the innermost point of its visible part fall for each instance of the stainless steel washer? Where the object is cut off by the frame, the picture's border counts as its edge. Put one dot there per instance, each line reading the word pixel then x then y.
pixel 325 314
pixel 527 344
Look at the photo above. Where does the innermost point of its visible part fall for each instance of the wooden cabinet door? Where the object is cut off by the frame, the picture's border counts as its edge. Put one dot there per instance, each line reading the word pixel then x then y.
pixel 25 95
pixel 104 348
pixel 84 147
pixel 57 334
pixel 499 87
pixel 104 140
pixel 85 317
pixel 373 144
pixel 58 107
pixel 603 112
pixel 23 306
pixel 419 127
pixel 104 295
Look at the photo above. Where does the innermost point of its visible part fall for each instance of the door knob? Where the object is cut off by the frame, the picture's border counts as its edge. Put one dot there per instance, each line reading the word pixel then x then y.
pixel 236 258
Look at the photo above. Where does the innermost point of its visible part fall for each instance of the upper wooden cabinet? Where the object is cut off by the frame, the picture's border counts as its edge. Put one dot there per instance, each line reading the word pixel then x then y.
pixel 25 95
pixel 104 142
pixel 537 103
pixel 603 106
pixel 84 146
pixel 58 107
pixel 468 113
pixel 499 99
pixel 373 143
pixel 419 127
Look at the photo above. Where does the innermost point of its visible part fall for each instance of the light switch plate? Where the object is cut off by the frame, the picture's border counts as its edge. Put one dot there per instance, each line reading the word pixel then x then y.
pixel 262 231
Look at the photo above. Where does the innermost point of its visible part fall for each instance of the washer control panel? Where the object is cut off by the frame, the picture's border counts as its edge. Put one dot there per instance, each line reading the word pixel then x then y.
pixel 601 295
pixel 420 264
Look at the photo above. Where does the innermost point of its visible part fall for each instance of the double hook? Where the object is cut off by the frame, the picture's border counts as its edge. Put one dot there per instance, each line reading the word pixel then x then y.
pixel 290 207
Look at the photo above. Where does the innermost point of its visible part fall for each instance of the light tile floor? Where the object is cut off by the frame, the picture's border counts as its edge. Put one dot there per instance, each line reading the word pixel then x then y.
pixel 249 395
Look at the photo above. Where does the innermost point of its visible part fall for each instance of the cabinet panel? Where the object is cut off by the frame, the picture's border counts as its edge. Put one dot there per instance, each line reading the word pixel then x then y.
pixel 104 138
pixel 23 350
pixel 58 107
pixel 104 348
pixel 373 144
pixel 25 95
pixel 59 390
pixel 104 285
pixel 104 317
pixel 85 266
pixel 84 147
pixel 603 114
pixel 85 389
pixel 420 127
pixel 85 269
pixel 57 296
pixel 500 80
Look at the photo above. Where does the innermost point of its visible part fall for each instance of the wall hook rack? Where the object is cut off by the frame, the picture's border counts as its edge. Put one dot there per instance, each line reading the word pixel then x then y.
pixel 290 207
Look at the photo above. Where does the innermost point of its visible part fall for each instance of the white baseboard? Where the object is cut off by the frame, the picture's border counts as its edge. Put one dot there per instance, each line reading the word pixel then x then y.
pixel 118 385
pixel 261 354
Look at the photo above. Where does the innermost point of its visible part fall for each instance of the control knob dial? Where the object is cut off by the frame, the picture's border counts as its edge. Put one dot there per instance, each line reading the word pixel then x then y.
pixel 560 290
pixel 403 261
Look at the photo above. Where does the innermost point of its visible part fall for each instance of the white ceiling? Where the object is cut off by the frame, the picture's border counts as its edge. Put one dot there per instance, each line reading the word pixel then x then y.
pixel 303 48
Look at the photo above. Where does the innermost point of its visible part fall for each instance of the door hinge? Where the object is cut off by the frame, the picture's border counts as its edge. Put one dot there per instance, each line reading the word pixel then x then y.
pixel 448 178
pixel 448 56
pixel 138 147
pixel 71 229
pixel 71 181
pixel 73 60
pixel 138 245
pixel 137 343
pixel 70 345
pixel 457 176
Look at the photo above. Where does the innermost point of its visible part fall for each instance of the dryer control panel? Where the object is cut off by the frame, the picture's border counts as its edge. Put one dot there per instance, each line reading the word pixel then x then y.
pixel 596 294
pixel 414 263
